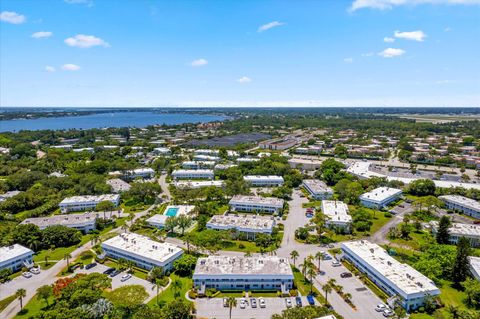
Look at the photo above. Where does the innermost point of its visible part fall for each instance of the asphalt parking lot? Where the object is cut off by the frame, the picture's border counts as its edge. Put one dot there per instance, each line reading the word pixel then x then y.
pixel 116 281
pixel 213 308
pixel 404 207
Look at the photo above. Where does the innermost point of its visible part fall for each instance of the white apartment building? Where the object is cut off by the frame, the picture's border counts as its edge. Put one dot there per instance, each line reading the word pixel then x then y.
pixel 317 189
pixel 221 167
pixel 206 158
pixel 198 184
pixel 159 220
pixel 458 230
pixel 243 273
pixel 193 174
pixel 145 252
pixel 247 159
pixel 118 185
pixel 84 222
pixel 263 180
pixel 393 277
pixel 462 204
pixel 140 173
pixel 207 152
pixel 249 224
pixel 474 263
pixel 380 197
pixel 197 164
pixel 15 257
pixel 88 202
pixel 337 216
pixel 161 151
pixel 256 204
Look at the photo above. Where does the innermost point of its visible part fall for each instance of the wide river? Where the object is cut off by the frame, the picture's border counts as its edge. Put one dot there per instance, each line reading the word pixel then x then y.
pixel 113 119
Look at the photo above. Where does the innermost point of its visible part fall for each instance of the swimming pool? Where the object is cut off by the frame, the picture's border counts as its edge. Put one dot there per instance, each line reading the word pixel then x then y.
pixel 171 211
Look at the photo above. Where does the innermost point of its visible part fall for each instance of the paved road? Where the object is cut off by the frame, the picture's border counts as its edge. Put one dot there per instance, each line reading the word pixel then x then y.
pixel 164 185
pixel 380 237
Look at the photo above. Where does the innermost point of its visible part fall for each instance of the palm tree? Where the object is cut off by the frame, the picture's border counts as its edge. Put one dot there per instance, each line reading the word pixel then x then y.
pixel 327 289
pixel 319 257
pixel 67 257
pixel 304 267
pixel 95 239
pixel 156 285
pixel 347 296
pixel 20 294
pixel 46 259
pixel 311 273
pixel 231 302
pixel 176 285
pixel 294 255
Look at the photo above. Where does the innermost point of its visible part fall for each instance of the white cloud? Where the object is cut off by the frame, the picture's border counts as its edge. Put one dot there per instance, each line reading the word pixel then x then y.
pixel 49 68
pixel 391 53
pixel 70 67
pixel 348 60
pixel 269 26
pixel 86 2
pixel 85 41
pixel 199 62
pixel 388 40
pixel 390 4
pixel 411 35
pixel 368 54
pixel 41 34
pixel 244 79
pixel 12 17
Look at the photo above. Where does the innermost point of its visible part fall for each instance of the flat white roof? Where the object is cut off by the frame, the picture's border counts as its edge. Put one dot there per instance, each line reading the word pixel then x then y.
pixel 462 201
pixel 227 265
pixel 459 229
pixel 68 220
pixel 198 184
pixel 192 172
pixel 157 219
pixel 336 211
pixel 404 277
pixel 475 266
pixel 247 159
pixel 90 198
pixel 13 251
pixel 257 200
pixel 317 186
pixel 143 246
pixel 118 185
pixel 380 194
pixel 142 170
pixel 244 221
pixel 253 178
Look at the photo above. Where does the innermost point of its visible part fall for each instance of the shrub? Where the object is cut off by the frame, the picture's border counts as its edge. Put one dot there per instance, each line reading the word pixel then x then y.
pixel 388 214
pixel 241 246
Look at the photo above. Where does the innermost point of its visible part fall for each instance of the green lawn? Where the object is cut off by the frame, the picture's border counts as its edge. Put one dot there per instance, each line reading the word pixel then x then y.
pixel 415 241
pixel 5 302
pixel 168 294
pixel 33 307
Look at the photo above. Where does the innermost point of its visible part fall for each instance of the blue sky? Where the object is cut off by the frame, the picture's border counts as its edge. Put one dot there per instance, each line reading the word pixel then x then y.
pixel 240 53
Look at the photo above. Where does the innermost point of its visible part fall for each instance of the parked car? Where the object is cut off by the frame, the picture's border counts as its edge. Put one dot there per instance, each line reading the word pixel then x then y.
pixel 346 275
pixel 336 263
pixel 109 271
pixel 262 302
pixel 27 274
pixel 35 270
pixel 243 303
pixel 125 277
pixel 225 302
pixel 90 266
pixel 115 272
pixel 310 300
pixel 288 303
pixel 388 312
pixel 298 301
pixel 380 307
pixel 326 256
pixel 253 302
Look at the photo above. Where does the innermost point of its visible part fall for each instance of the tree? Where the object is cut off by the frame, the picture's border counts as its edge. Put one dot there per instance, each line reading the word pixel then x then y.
pixel 422 187
pixel 60 236
pixel 461 266
pixel 319 257
pixel 311 274
pixel 232 303
pixel 67 257
pixel 128 298
pixel 20 294
pixel 185 265
pixel 177 309
pixel 45 292
pixel 327 289
pixel 183 222
pixel 105 206
pixel 353 192
pixel 28 235
pixel 472 290
pixel 170 224
pixel 176 286
pixel 294 255
pixel 443 234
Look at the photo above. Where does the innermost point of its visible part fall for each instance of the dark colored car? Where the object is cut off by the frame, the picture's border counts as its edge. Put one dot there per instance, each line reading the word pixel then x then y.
pixel 298 301
pixel 90 266
pixel 310 300
pixel 109 271
pixel 345 275
pixel 115 272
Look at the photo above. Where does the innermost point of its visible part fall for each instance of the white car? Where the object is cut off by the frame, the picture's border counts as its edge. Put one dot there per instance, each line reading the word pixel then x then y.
pixel 35 270
pixel 380 307
pixel 125 277
pixel 336 263
pixel 243 303
pixel 27 274
pixel 262 303
pixel 288 302
pixel 388 312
